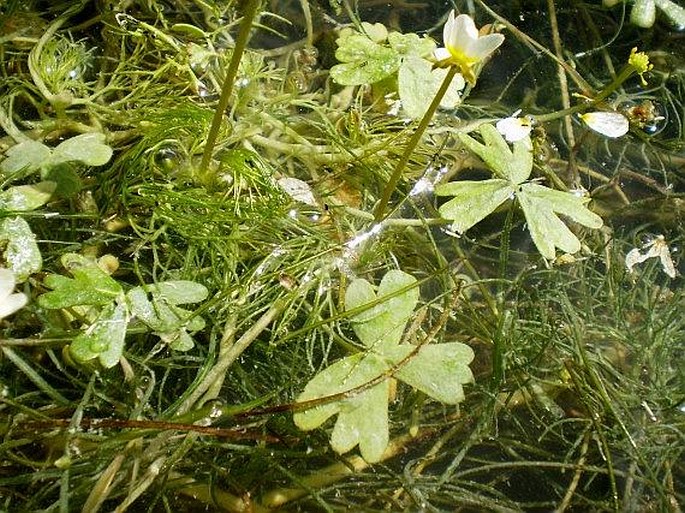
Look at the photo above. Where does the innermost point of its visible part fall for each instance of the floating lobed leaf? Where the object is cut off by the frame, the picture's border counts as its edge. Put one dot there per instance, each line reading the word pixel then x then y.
pixel 362 411
pixel 514 166
pixel 541 205
pixel 90 286
pixel 155 306
pixel 386 320
pixel 473 200
pixel 23 198
pixel 88 148
pixel 363 61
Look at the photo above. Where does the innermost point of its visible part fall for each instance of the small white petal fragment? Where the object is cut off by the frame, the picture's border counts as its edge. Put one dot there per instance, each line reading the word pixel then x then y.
pixel 610 124
pixel 9 302
pixel 658 248
pixel 298 190
pixel 514 128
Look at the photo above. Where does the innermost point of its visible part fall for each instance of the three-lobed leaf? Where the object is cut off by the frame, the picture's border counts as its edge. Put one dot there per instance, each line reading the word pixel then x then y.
pixel 541 206
pixel 89 286
pixel 88 148
pixel 360 384
pixel 474 201
pixel 363 61
pixel 156 306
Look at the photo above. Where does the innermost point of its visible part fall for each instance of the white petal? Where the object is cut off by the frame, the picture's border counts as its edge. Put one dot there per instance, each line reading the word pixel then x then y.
pixel 12 303
pixel 485 46
pixel 634 257
pixel 463 33
pixel 667 263
pixel 448 28
pixel 441 54
pixel 611 124
pixel 513 129
pixel 7 282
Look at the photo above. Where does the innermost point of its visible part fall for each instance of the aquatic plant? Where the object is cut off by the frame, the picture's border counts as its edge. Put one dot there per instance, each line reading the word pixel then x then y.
pixel 304 257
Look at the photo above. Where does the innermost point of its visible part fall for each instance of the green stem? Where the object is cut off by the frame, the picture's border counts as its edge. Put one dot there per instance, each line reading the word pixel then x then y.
pixel 229 81
pixel 225 360
pixel 411 146
pixel 625 73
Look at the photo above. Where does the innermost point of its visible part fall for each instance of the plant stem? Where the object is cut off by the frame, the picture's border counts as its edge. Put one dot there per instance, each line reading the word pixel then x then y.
pixel 411 146
pixel 226 359
pixel 625 73
pixel 229 81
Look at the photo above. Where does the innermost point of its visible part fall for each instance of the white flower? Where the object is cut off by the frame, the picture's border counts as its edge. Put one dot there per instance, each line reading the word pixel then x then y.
pixel 464 47
pixel 657 248
pixel 611 124
pixel 514 128
pixel 9 302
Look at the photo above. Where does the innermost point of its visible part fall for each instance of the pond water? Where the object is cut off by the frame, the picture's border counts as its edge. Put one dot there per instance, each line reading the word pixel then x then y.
pixel 326 256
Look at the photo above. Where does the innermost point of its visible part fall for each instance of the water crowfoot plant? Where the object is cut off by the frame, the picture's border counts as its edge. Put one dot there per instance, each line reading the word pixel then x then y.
pixel 465 50
pixel 474 200
pixel 357 388
pixel 250 300
pixel 107 310
pixel 464 47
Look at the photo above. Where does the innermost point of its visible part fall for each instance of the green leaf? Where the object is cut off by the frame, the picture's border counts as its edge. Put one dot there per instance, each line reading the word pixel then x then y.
pixel 473 200
pixel 24 158
pixel 418 84
pixel 514 166
pixel 437 370
pixel 155 306
pixel 541 206
pixel 90 286
pixel 360 402
pixel 363 417
pixel 411 44
pixel 385 321
pixel 104 339
pixel 88 148
pixel 363 420
pixel 65 176
pixel 24 198
pixel 363 61
pixel 21 252
pixel 178 292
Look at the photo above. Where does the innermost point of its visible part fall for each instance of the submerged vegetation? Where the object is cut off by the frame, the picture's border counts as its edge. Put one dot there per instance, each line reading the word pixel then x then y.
pixel 339 256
